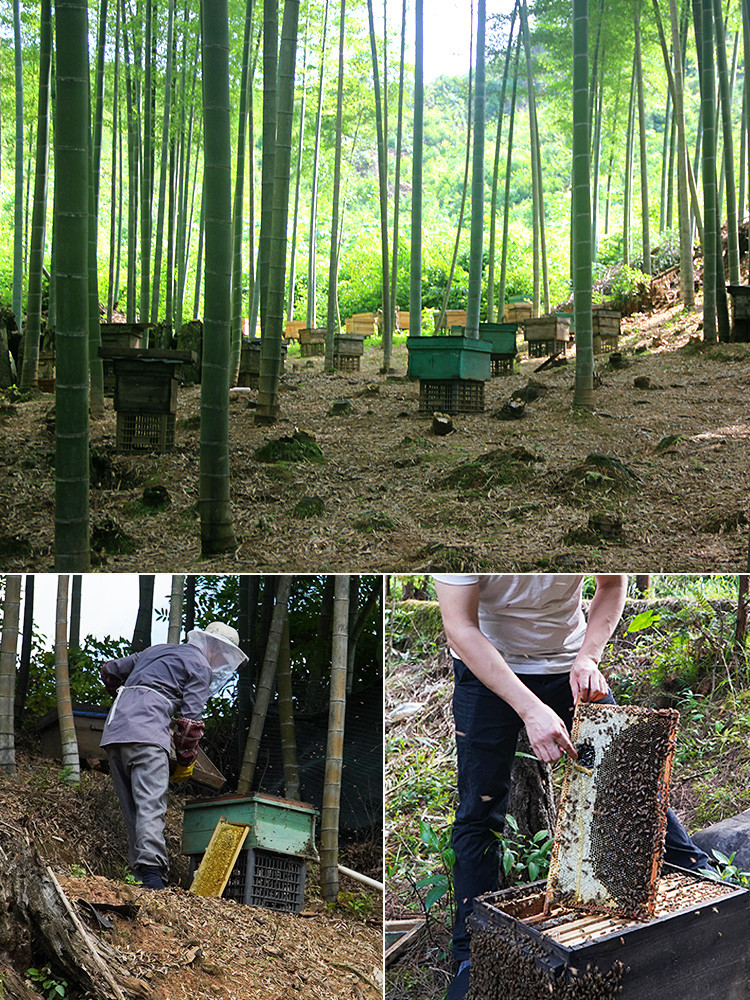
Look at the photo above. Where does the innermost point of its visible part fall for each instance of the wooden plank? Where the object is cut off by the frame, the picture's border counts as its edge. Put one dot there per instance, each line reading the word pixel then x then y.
pixel 402 933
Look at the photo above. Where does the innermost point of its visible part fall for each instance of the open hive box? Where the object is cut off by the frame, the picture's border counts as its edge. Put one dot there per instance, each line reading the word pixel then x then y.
pixel 610 921
pixel 695 947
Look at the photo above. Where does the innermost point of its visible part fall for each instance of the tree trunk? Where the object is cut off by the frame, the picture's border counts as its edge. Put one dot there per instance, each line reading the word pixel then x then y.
pixel 8 647
pixel 643 158
pixel 329 817
pixel 159 241
pixel 239 200
pixel 146 166
pixel 17 292
pixel 24 664
pixel 35 909
pixel 70 761
pixel 272 333
pixel 286 718
pixel 270 72
pixel 217 532
pixel 703 17
pixel 312 269
pixel 508 174
pixel 733 248
pixel 415 266
pixel 740 630
pixel 142 630
pixel 175 609
pixel 496 181
pixel 332 325
pixel 584 383
pixel 387 328
pixel 265 686
pixel 74 635
pixel 298 173
pixel 39 215
pixel 474 297
pixel 71 277
pixel 397 170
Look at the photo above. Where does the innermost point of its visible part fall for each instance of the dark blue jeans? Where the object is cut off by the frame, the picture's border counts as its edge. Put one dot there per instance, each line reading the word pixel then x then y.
pixel 487 729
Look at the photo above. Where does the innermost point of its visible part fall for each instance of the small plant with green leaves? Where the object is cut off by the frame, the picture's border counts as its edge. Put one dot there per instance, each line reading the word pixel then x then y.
pixel 44 979
pixel 440 882
pixel 728 870
pixel 78 871
pixel 524 858
pixel 360 905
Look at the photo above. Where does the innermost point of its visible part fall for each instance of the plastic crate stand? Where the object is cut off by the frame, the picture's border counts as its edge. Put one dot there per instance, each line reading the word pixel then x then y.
pixel 503 364
pixel 311 350
pixel 145 431
pixel 451 396
pixel 346 362
pixel 264 878
pixel 546 348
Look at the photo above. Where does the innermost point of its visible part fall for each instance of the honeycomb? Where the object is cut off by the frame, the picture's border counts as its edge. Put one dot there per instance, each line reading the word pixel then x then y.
pixel 218 861
pixel 609 838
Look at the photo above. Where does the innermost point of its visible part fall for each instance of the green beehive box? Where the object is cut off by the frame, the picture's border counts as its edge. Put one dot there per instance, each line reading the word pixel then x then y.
pixel 449 357
pixel 502 336
pixel 279 825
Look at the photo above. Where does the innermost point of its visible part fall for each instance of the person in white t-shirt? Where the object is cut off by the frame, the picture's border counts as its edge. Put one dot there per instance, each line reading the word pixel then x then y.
pixel 524 654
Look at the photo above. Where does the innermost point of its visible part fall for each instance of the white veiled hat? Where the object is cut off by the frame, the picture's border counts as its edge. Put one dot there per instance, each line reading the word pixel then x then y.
pixel 219 643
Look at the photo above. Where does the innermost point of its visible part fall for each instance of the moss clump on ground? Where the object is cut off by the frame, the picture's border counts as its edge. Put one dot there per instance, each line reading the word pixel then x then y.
pixel 309 507
pixel 300 447
pixel 372 521
pixel 497 468
pixel 108 538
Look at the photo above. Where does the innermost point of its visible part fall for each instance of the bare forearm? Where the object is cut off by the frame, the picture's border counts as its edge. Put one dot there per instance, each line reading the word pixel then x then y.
pixel 604 614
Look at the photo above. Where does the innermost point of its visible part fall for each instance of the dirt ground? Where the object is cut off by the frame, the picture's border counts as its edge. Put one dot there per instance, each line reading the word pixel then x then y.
pixel 175 944
pixel 390 495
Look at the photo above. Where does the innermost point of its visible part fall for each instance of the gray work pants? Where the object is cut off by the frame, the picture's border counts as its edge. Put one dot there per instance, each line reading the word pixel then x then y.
pixel 140 772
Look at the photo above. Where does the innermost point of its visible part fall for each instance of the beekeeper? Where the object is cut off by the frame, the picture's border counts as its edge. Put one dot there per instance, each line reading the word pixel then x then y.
pixel 523 655
pixel 160 696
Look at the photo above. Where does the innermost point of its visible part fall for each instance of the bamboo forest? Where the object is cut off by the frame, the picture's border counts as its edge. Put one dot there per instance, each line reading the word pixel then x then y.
pixel 368 285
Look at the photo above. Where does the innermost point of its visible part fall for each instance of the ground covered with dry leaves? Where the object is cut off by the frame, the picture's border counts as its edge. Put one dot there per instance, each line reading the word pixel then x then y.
pixel 174 944
pixel 389 494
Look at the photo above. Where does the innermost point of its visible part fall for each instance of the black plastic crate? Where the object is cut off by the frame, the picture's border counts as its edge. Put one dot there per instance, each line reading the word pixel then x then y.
pixel 265 878
pixel 458 395
pixel 145 431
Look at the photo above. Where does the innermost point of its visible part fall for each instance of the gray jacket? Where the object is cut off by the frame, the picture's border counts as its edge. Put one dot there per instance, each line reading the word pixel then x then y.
pixel 163 681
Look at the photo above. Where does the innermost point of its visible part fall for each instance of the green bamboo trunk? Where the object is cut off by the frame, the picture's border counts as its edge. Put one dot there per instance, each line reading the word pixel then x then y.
pixel 312 247
pixel 474 298
pixel 17 292
pixel 584 386
pixel 496 181
pixel 643 157
pixel 415 265
pixel 160 204
pixel 332 325
pixel 383 192
pixel 68 739
pixel 270 352
pixel 266 682
pixel 239 198
pixel 733 248
pixel 146 172
pixel 8 660
pixel 703 11
pixel 329 817
pixel 217 533
pixel 72 166
pixel 39 214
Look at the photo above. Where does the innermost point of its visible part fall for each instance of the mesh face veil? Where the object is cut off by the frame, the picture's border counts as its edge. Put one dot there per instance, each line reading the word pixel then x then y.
pixel 218 643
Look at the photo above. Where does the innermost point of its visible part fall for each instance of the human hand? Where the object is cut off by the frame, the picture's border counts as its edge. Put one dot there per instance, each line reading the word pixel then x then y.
pixel 587 681
pixel 181 774
pixel 547 734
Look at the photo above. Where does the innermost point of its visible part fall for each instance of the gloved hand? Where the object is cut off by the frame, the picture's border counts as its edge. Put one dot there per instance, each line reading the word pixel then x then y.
pixel 181 774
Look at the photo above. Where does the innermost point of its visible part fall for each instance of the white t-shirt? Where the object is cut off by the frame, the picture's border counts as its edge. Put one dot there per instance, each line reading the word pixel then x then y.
pixel 535 620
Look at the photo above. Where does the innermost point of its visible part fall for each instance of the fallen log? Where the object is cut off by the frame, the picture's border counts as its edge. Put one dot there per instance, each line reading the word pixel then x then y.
pixel 37 918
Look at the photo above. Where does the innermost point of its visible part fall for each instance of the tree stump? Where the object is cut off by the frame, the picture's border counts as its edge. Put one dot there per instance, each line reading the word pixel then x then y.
pixel 33 907
pixel 442 424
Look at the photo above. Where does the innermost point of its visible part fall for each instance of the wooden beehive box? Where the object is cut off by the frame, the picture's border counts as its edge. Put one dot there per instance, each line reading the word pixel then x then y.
pixel 249 372
pixel 292 328
pixel 518 310
pixel 546 335
pixel 403 320
pixel 453 317
pixel 312 341
pixel 362 324
pixel 46 372
pixel 740 295
pixel 696 947
pixel 606 329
